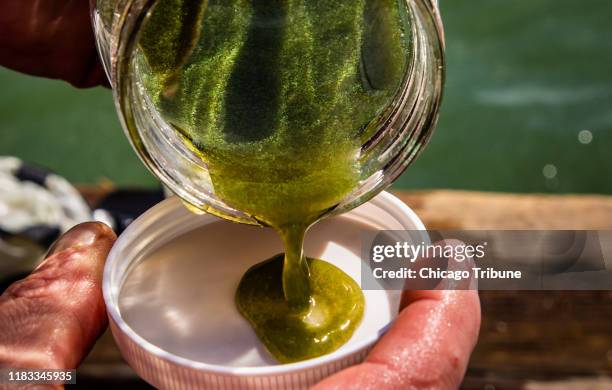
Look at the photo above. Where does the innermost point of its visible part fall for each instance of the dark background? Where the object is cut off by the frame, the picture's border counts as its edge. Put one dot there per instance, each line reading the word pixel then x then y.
pixel 525 77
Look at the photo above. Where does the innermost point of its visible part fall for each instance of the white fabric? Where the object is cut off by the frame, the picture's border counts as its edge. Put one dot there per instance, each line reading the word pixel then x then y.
pixel 24 204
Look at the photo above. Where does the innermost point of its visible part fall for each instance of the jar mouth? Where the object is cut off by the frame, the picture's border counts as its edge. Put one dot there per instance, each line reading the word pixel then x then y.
pixel 408 124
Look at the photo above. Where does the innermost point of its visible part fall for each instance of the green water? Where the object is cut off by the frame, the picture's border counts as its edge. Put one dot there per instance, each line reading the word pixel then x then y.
pixel 292 335
pixel 277 98
pixel 483 142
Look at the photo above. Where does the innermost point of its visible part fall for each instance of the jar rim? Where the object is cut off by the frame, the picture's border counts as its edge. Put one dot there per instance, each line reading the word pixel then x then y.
pixel 124 46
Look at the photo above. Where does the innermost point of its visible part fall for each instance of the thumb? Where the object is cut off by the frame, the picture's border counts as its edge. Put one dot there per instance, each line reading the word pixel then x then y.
pixel 52 318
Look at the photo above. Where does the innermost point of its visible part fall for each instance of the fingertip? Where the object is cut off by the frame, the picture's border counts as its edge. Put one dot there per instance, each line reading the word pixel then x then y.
pixel 59 306
pixel 432 338
pixel 84 234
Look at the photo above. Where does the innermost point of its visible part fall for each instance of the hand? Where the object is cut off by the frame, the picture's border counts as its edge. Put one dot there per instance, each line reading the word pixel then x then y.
pixel 430 343
pixel 52 318
pixel 50 38
pixel 427 348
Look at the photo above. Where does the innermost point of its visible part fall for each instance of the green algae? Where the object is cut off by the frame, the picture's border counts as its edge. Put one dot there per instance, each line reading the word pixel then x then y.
pixel 293 335
pixel 277 97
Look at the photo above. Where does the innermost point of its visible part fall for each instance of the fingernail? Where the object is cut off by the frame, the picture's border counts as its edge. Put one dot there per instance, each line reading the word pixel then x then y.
pixel 81 235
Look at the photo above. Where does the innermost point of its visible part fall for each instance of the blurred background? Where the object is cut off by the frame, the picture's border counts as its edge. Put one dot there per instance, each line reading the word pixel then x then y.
pixel 527 111
pixel 527 108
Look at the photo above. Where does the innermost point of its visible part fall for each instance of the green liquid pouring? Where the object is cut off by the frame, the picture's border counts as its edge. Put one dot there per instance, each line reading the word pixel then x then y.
pixel 277 97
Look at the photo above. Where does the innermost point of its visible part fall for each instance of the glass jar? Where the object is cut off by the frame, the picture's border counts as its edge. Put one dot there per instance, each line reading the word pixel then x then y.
pixel 397 134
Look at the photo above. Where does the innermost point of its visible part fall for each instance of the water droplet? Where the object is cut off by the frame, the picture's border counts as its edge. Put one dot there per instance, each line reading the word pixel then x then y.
pixel 549 171
pixel 585 137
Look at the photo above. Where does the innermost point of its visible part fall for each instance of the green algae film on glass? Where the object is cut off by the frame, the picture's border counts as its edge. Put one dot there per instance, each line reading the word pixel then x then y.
pixel 290 335
pixel 276 97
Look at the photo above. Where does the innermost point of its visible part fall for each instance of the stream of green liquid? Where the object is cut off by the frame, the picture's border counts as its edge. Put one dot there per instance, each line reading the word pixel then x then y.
pixel 277 97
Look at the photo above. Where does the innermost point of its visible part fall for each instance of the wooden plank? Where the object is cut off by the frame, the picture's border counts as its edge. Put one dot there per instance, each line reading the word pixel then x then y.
pixel 446 209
